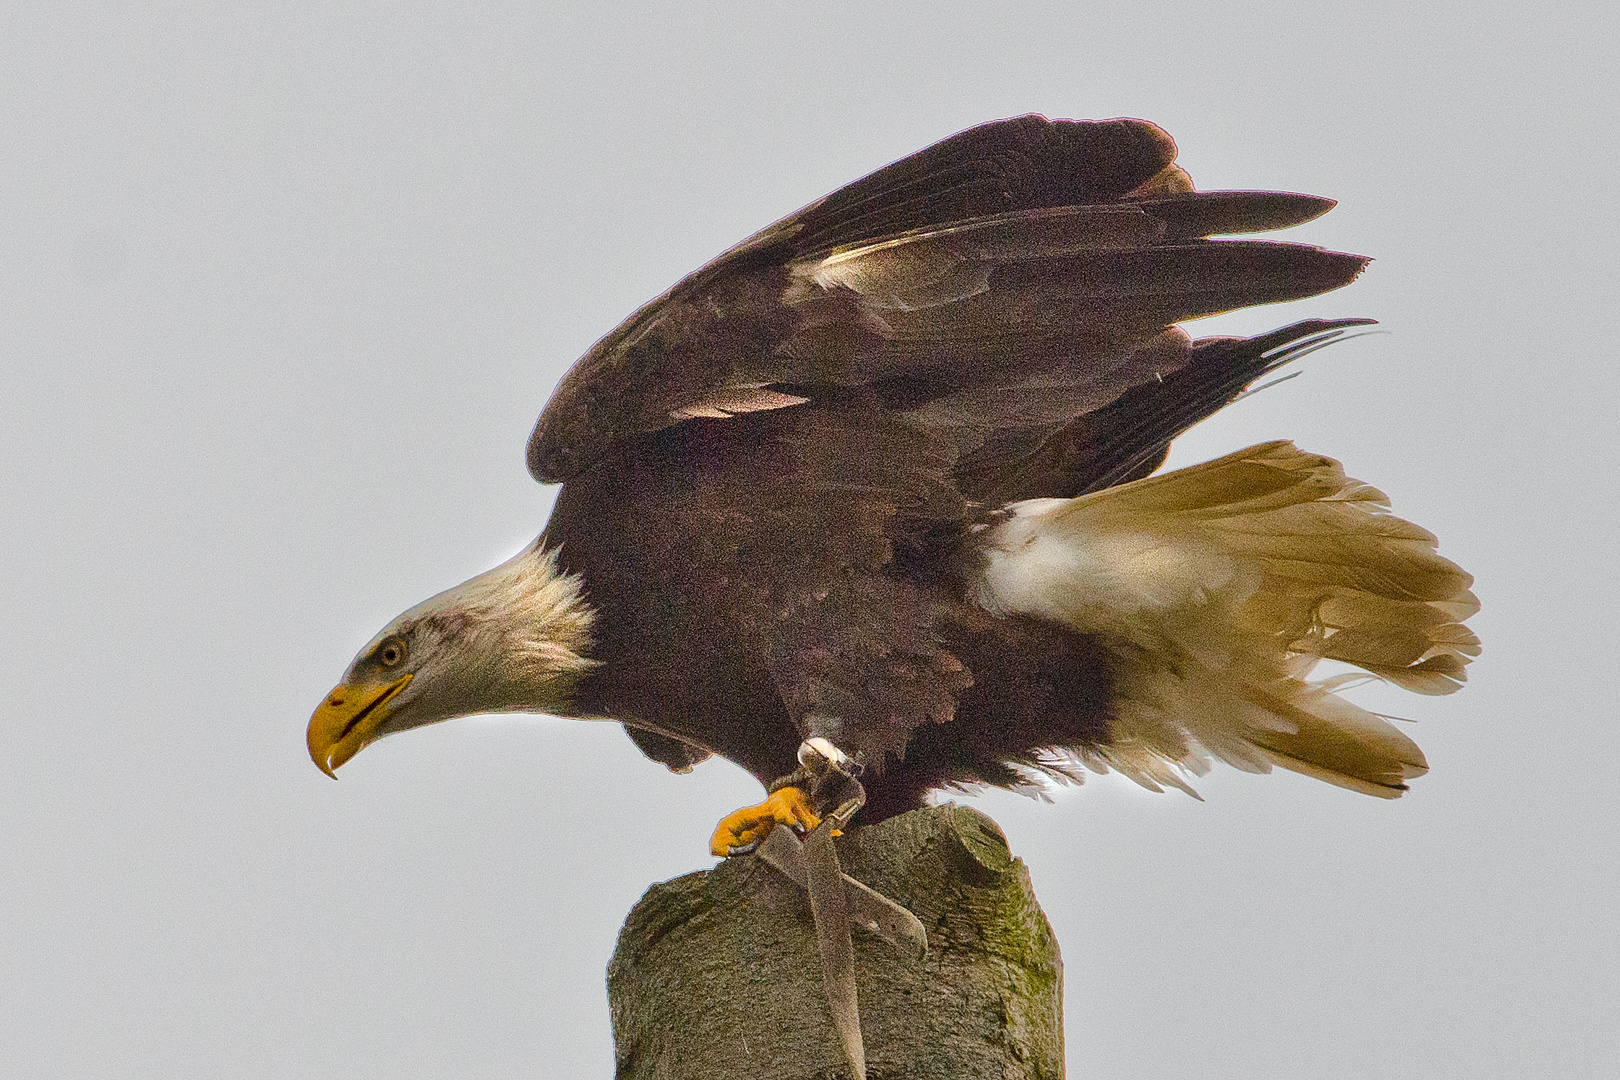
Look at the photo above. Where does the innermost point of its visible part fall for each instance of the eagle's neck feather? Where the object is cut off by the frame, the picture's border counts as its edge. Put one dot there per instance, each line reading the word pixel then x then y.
pixel 522 632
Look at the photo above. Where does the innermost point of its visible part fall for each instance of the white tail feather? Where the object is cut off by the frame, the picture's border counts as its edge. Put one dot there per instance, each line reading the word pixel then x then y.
pixel 1219 588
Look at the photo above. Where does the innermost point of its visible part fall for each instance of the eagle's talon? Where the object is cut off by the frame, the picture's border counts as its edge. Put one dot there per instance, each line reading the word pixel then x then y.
pixel 742 831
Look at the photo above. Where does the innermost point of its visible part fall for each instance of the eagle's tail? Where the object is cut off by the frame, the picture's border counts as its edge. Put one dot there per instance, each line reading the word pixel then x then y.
pixel 1219 587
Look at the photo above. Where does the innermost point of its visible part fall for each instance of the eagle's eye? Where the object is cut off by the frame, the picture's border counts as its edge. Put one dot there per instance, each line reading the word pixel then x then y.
pixel 392 653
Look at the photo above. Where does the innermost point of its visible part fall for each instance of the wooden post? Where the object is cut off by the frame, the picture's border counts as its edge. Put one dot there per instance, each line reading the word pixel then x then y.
pixel 716 974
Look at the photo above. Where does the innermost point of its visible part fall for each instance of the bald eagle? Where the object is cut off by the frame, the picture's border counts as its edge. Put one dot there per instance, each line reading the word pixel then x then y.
pixel 880 480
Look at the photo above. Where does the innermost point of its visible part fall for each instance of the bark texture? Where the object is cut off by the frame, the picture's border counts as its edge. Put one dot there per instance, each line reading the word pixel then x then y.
pixel 716 974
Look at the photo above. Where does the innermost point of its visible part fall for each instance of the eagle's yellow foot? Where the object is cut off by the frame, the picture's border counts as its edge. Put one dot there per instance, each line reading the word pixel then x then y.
pixel 739 832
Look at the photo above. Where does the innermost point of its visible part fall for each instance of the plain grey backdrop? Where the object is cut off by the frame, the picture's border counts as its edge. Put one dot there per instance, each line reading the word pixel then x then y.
pixel 282 289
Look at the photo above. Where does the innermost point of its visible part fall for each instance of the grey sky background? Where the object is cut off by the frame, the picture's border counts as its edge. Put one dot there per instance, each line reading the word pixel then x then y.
pixel 282 289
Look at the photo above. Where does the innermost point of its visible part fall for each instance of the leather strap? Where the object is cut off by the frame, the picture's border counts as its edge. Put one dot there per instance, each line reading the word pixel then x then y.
pixel 867 907
pixel 836 898
pixel 830 909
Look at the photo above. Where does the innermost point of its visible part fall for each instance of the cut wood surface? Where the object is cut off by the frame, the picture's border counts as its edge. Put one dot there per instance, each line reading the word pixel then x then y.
pixel 716 974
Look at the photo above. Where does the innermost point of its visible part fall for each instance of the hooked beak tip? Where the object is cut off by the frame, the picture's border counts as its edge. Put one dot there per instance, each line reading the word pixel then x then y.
pixel 320 755
pixel 346 721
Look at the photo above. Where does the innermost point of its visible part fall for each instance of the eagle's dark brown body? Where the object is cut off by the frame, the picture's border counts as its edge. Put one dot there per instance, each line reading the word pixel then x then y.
pixel 716 585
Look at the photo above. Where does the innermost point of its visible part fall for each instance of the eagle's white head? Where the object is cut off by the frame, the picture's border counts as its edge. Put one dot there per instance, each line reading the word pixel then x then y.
pixel 514 638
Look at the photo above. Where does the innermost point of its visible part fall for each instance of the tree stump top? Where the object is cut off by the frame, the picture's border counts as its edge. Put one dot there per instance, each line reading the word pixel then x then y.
pixel 716 973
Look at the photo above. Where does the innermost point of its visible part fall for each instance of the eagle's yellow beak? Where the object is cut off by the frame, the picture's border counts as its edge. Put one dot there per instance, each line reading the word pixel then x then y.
pixel 347 720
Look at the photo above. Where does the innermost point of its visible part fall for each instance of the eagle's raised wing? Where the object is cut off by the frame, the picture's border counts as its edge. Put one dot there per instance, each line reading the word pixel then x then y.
pixel 994 287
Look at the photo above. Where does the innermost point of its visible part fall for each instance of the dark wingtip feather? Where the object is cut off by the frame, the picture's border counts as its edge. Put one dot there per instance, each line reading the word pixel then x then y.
pixel 1022 163
pixel 1211 213
pixel 1194 278
pixel 1222 371
pixel 1129 438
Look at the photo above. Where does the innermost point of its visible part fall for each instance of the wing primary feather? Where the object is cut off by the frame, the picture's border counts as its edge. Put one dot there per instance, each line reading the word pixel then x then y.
pixel 1202 389
pixel 1210 213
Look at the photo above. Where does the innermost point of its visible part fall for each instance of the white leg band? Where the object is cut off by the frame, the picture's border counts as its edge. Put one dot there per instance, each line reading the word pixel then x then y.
pixel 817 747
